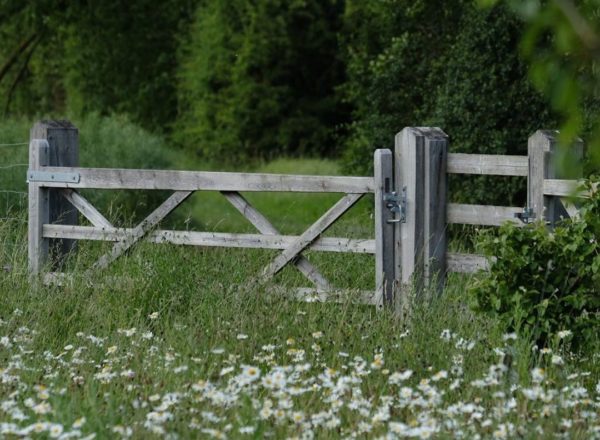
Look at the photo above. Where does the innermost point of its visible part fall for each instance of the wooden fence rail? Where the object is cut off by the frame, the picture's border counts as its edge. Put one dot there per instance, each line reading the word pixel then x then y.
pixel 412 210
pixel 51 180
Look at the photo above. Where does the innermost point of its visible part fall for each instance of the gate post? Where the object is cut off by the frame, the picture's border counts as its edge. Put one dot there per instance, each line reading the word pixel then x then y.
pixel 384 228
pixel 39 208
pixel 420 166
pixel 53 143
pixel 542 149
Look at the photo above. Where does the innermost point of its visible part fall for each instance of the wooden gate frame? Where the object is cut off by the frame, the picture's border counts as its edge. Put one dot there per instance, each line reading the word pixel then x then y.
pixel 411 209
pixel 54 204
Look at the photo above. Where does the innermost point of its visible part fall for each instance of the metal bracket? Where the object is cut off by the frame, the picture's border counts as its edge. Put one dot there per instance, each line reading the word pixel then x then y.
pixel 396 204
pixel 527 216
pixel 46 176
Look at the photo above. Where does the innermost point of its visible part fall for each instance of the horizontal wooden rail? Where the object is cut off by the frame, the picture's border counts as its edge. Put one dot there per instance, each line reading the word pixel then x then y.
pixel 115 178
pixel 487 164
pixel 466 263
pixel 482 214
pixel 563 188
pixel 210 239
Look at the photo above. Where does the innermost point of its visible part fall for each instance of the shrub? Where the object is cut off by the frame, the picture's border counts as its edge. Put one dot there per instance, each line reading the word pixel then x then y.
pixel 105 142
pixel 543 281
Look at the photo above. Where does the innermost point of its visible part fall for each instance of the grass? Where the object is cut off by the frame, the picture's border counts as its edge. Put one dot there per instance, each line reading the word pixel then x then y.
pixel 189 348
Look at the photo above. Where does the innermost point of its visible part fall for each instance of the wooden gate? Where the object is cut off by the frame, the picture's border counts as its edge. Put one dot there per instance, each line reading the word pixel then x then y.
pixel 55 179
pixel 411 209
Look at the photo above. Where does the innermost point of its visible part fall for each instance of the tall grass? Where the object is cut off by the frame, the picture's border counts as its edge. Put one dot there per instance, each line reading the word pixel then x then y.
pixel 163 344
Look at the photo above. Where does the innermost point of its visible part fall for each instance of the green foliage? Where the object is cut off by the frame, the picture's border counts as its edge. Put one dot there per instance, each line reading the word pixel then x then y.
pixel 542 281
pixel 121 57
pixel 257 79
pixel 92 56
pixel 561 44
pixel 116 142
pixel 30 70
pixel 485 101
pixel 111 142
pixel 450 65
pixel 394 55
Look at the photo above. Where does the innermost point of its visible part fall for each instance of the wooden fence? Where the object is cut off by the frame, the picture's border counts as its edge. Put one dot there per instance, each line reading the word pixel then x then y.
pixel 411 209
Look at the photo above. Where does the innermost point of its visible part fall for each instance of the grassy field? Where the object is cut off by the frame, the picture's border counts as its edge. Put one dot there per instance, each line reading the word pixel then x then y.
pixel 186 347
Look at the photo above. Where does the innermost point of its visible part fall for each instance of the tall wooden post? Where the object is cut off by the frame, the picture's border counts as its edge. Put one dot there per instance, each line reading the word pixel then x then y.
pixel 384 228
pixel 39 208
pixel 542 148
pixel 420 164
pixel 62 150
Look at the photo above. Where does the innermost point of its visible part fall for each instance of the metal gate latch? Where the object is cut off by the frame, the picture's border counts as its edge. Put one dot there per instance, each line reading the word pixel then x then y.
pixel 527 216
pixel 396 204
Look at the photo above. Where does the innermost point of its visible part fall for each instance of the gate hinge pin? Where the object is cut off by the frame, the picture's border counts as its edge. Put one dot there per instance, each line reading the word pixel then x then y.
pixel 527 216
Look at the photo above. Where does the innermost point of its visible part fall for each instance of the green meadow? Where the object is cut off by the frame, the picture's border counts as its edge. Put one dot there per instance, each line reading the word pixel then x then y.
pixel 177 342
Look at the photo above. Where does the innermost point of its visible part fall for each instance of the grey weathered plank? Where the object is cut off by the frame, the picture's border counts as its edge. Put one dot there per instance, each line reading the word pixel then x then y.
pixel 384 230
pixel 63 151
pixel 212 239
pixel 563 188
pixel 466 263
pixel 435 197
pixel 409 174
pixel 484 215
pixel 539 144
pixel 543 166
pixel 311 234
pixel 487 164
pixel 86 208
pixel 264 226
pixel 138 232
pixel 107 178
pixel 39 209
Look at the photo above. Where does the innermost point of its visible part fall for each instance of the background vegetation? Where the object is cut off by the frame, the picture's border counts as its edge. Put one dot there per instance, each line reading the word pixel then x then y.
pixel 237 80
pixel 161 344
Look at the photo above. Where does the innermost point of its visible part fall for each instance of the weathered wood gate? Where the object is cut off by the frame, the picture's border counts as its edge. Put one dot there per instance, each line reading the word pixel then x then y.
pixel 54 203
pixel 411 209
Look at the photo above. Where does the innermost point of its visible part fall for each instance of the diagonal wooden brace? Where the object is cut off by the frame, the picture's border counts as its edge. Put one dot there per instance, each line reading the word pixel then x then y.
pixel 86 208
pixel 311 234
pixel 264 226
pixel 139 231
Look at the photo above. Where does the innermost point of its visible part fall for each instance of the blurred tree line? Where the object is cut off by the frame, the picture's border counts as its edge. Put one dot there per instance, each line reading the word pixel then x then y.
pixel 236 80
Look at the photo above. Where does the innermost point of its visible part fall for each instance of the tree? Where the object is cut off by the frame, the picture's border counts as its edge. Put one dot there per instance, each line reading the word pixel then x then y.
pixel 121 57
pixel 485 100
pixel 562 46
pixel 258 79
pixel 393 51
pixel 59 56
pixel 451 65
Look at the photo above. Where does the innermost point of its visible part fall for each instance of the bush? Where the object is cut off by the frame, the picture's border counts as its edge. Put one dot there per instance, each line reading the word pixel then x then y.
pixel 543 281
pixel 105 142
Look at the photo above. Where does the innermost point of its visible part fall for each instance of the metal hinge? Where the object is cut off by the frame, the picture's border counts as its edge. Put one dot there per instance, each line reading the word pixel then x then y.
pixel 527 216
pixel 47 176
pixel 396 204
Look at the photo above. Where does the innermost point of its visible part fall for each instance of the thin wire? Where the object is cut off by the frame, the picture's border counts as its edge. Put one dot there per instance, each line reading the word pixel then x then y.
pixel 14 165
pixel 8 191
pixel 14 145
